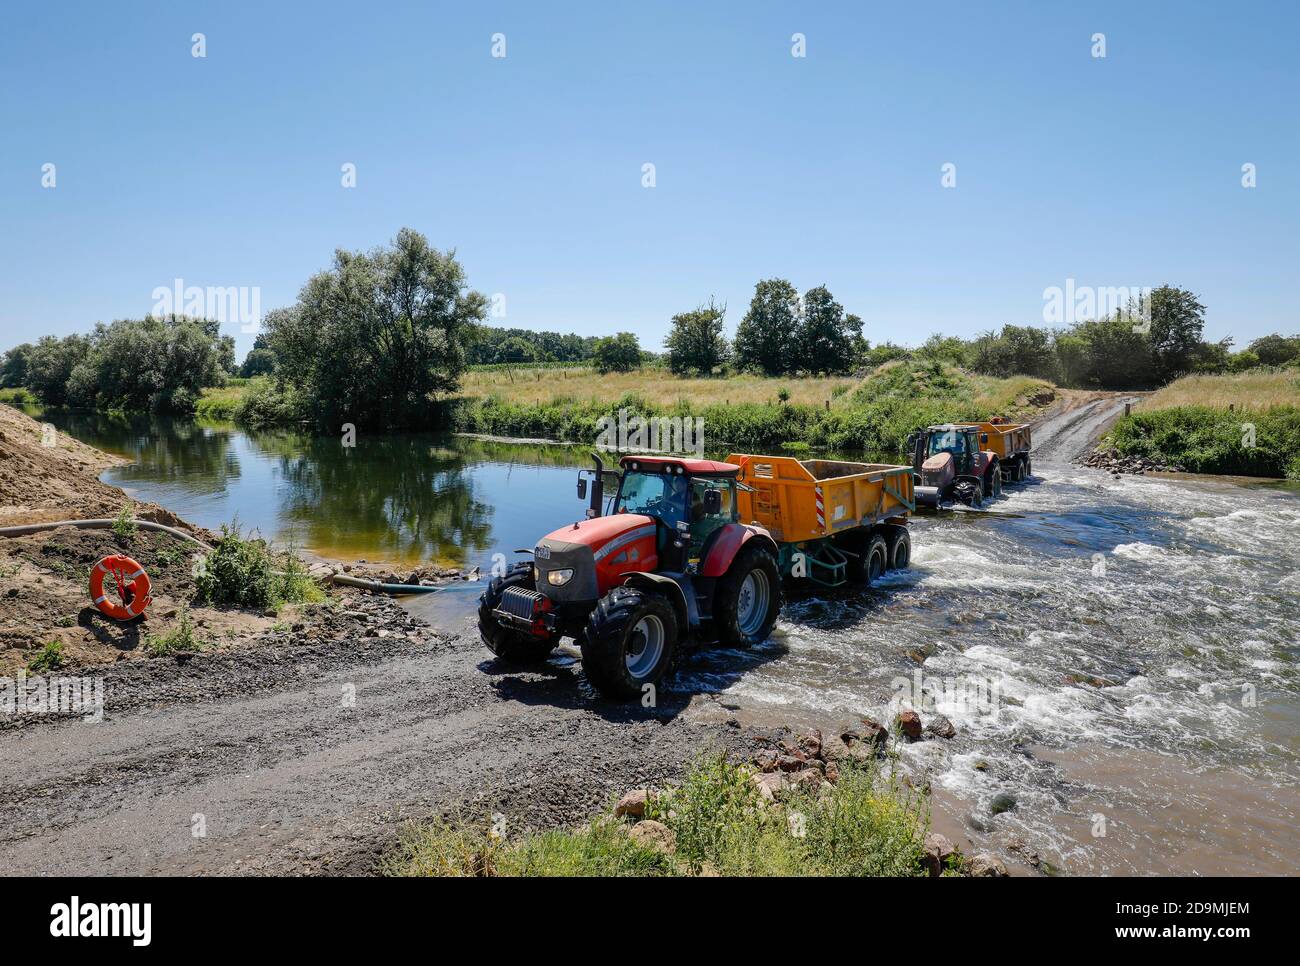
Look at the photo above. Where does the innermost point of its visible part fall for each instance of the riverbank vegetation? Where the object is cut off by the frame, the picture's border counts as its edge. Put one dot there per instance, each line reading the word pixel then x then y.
pixel 715 823
pixel 1245 424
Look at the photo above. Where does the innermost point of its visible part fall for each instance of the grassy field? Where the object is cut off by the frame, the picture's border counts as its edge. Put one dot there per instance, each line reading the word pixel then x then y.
pixel 870 415
pixel 541 386
pixel 863 826
pixel 1189 423
pixel 1256 389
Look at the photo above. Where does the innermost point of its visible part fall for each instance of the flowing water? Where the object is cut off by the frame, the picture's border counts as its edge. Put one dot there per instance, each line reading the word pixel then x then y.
pixel 1117 654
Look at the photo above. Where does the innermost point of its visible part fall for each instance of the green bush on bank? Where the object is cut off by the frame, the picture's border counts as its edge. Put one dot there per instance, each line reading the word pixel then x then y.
pixel 863 826
pixel 1205 439
pixel 244 572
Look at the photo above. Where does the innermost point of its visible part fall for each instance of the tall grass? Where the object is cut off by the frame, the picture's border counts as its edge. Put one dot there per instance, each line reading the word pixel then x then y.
pixel 1254 389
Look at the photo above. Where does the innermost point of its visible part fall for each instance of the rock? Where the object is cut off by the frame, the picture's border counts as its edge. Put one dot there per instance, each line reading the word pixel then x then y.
pixel 909 723
pixel 985 866
pixel 834 750
pixel 938 850
pixel 874 733
pixel 811 743
pixel 1002 802
pixel 771 785
pixel 790 763
pixel 808 780
pixel 916 656
pixel 941 727
pixel 981 765
pixel 766 760
pixel 414 579
pixel 633 803
pixel 832 772
pixel 654 835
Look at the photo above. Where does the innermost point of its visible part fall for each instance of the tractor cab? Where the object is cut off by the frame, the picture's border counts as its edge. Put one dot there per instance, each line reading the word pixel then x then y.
pixel 691 498
pixel 962 443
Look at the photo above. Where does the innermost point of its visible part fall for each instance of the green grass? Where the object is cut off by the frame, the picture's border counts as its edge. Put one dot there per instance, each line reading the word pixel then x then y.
pixel 48 658
pixel 1207 439
pixel 865 826
pixel 180 639
pixel 244 572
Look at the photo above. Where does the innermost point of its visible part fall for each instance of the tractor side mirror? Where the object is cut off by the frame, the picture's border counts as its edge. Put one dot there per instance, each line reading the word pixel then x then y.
pixel 582 488
pixel 712 502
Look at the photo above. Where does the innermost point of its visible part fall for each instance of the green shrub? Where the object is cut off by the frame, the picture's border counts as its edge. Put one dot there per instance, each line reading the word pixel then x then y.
pixel 1210 440
pixel 244 572
pixel 48 658
pixel 124 526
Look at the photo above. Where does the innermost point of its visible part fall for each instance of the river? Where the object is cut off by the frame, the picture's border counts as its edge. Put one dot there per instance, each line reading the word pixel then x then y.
pixel 1118 655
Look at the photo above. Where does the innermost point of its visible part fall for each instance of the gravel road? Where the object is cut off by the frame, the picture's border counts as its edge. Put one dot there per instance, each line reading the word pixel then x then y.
pixel 260 751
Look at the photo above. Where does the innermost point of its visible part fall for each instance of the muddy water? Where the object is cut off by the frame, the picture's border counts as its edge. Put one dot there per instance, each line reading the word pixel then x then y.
pixel 1118 655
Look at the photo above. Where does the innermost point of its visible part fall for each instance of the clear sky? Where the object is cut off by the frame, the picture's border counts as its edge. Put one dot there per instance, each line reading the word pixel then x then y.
pixel 824 169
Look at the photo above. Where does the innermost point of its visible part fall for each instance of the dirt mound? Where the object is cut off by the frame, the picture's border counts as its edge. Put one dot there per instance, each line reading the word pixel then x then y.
pixel 46 475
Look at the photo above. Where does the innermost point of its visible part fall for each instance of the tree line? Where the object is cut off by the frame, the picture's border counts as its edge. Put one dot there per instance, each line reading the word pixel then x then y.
pixel 383 335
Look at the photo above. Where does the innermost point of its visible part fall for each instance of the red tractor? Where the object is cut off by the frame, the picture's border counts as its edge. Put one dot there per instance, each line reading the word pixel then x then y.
pixel 670 562
pixel 952 463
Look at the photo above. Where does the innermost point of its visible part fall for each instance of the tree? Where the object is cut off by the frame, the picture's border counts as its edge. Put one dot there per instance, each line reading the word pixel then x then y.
pixel 379 335
pixel 1018 350
pixel 1177 320
pixel 621 353
pixel 516 349
pixel 945 348
pixel 13 370
pixel 1116 355
pixel 260 360
pixel 1271 350
pixel 826 336
pixel 50 365
pixel 696 343
pixel 767 338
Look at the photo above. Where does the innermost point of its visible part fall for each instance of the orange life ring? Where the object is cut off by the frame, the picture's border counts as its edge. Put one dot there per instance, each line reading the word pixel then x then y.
pixel 132 587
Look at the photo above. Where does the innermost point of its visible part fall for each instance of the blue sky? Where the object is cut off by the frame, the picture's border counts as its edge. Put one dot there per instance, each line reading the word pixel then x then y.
pixel 225 170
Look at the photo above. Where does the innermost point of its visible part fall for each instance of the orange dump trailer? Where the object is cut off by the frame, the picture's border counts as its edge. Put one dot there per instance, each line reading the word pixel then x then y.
pixel 834 521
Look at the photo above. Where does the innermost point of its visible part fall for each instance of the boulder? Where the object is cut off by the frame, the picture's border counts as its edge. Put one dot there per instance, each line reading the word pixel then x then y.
pixel 941 727
pixel 633 803
pixel 654 835
pixel 808 780
pixel 1002 802
pixel 811 744
pixel 985 866
pixel 766 760
pixel 874 733
pixel 909 723
pixel 771 785
pixel 938 850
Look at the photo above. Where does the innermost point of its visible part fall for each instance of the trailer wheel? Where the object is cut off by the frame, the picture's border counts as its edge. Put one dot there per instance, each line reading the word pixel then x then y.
pixel 747 599
pixel 514 647
pixel 1018 470
pixel 1027 467
pixel 900 548
pixel 629 642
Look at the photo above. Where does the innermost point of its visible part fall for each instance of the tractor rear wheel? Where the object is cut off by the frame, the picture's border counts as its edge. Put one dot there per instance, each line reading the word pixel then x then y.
pixel 747 598
pixel 510 645
pixel 995 483
pixel 629 642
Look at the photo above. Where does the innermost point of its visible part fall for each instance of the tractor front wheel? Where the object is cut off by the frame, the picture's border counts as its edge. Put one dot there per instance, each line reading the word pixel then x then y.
pixel 510 645
pixel 995 483
pixel 629 642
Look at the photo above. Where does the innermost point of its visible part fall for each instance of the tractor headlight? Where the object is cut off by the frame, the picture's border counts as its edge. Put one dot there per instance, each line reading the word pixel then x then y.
pixel 558 578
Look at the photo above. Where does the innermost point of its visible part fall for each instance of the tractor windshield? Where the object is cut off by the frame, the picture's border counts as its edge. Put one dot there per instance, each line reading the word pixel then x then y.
pixel 947 441
pixel 654 494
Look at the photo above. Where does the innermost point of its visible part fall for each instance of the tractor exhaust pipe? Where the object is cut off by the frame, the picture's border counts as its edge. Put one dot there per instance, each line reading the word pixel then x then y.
pixel 597 488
